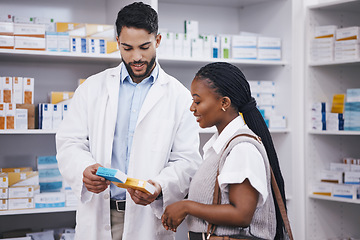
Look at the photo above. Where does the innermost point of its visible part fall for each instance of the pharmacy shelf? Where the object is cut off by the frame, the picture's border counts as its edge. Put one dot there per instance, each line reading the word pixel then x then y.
pixel 336 199
pixel 28 131
pixel 338 5
pixel 334 63
pixel 202 61
pixel 10 54
pixel 223 3
pixel 340 133
pixel 37 210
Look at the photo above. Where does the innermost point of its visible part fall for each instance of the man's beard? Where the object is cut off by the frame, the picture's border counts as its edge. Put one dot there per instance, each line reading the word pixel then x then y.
pixel 149 67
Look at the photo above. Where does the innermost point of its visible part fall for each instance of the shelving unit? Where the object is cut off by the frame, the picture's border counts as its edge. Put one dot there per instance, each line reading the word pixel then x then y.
pixel 60 72
pixel 329 217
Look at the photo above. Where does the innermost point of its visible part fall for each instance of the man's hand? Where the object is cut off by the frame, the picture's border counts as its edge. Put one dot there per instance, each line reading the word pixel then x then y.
pixel 142 198
pixel 93 182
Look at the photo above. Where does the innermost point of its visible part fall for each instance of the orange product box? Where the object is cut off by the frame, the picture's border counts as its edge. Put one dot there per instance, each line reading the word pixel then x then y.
pixel 10 115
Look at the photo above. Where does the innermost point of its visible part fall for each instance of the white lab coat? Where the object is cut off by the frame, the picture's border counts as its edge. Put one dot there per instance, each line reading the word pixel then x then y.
pixel 165 149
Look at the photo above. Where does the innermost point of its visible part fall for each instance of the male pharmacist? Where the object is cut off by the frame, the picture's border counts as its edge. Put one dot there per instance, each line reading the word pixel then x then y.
pixel 135 118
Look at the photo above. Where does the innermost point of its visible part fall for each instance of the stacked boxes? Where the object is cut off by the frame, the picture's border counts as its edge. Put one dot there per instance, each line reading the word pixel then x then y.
pixel 318 116
pixel 7 35
pixel 269 48
pixel 322 46
pixel 352 110
pixel 341 180
pixel 29 36
pixel 18 188
pixel 50 179
pixel 244 47
pixel 264 93
pixel 347 43
pixel 51 115
pixel 16 103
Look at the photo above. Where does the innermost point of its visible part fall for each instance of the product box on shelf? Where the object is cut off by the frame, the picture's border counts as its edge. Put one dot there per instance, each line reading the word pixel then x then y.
pixel 30 108
pixel 49 200
pixel 352 177
pixel 324 189
pixel 63 41
pixel 49 175
pixel 197 45
pixel 18 169
pixel 17 87
pixel 4 180
pixel 45 115
pixel 23 19
pixel 331 176
pixel 339 167
pixel 225 46
pixel 29 43
pixel 191 28
pixel 7 89
pixel 3 204
pixel 2 116
pixel 6 18
pixel 207 46
pixel 23 178
pixel 178 44
pixel 111 46
pixel 28 89
pixel 29 30
pixel 269 48
pixel 22 192
pixel 78 45
pixel 20 203
pixel 44 235
pixel 51 39
pixel 21 119
pixel 10 110
pixel 58 97
pixel 95 46
pixel 243 47
pixel 327 31
pixel 7 42
pixel 6 28
pixel 345 191
pixel 4 193
pixel 215 47
pixel 48 22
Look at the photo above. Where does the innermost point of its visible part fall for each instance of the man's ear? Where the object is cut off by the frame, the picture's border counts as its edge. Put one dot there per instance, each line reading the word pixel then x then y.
pixel 158 40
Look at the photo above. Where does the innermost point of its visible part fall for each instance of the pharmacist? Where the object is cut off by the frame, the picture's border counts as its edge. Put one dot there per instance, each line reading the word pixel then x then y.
pixel 135 118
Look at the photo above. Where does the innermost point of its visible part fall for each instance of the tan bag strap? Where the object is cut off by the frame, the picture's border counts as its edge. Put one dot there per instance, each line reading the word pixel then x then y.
pixel 279 200
pixel 281 205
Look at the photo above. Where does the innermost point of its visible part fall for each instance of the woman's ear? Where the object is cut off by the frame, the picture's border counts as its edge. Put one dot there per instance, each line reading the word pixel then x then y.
pixel 226 103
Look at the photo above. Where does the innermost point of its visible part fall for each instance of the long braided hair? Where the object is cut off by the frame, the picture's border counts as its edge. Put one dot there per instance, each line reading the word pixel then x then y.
pixel 228 80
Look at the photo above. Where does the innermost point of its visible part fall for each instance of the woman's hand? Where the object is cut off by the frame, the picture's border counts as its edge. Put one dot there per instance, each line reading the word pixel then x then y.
pixel 174 214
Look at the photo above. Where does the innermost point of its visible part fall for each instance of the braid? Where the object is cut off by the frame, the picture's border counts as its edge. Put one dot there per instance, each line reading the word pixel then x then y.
pixel 228 80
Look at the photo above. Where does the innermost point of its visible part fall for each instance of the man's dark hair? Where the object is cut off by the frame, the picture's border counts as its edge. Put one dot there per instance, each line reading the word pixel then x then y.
pixel 137 15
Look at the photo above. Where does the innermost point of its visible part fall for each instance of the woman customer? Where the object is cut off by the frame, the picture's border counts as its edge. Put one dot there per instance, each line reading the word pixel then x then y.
pixel 248 209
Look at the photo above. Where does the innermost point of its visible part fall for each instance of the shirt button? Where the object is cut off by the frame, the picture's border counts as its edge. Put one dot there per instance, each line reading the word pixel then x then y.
pixel 106 196
pixel 107 227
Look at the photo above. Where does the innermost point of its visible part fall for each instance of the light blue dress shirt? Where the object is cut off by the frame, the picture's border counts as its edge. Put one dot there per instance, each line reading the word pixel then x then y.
pixel 131 98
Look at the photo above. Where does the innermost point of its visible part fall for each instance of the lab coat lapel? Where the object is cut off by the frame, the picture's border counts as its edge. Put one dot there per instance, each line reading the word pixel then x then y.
pixel 155 93
pixel 112 85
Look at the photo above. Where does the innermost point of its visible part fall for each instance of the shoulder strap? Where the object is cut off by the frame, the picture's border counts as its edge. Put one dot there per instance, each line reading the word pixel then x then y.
pixel 279 200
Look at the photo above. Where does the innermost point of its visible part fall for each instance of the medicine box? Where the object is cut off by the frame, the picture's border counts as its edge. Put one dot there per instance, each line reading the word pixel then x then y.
pixel 348 33
pixel 4 180
pixel 339 167
pixel 28 89
pixel 225 46
pixel 121 180
pixel 49 200
pixel 45 115
pixel 17 87
pixel 10 109
pixel 30 43
pixel 23 19
pixel 20 203
pixel 324 189
pixel 23 178
pixel 21 192
pixel 327 31
pixel 191 28
pixel 331 176
pixel 51 41
pixel 352 177
pixel 30 114
pixel 345 191
pixel 4 193
pixel 7 28
pixel 29 30
pixel 7 42
pixel 7 91
pixel 4 205
pixel 21 119
pixel 2 116
pixel 48 22
pixel 20 169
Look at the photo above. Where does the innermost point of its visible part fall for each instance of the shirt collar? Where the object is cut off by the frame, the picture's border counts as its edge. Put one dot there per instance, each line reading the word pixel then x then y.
pixel 217 142
pixel 124 74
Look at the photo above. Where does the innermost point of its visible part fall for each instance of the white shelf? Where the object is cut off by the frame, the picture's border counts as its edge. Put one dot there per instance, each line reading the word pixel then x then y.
pixel 335 199
pixel 334 63
pixel 334 132
pixel 213 130
pixel 115 57
pixel 223 3
pixel 37 210
pixel 29 132
pixel 338 5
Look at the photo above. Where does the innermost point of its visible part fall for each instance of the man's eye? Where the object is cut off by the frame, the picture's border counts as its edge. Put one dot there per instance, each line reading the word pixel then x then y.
pixel 127 49
pixel 144 48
